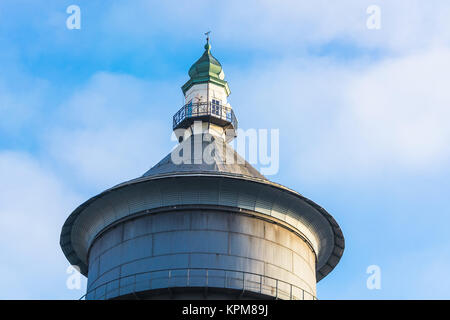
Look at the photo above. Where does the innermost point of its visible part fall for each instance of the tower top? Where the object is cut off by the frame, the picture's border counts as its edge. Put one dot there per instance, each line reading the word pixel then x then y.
pixel 207 69
pixel 206 94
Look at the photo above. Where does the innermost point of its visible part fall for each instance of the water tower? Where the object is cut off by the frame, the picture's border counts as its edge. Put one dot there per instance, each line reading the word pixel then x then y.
pixel 202 227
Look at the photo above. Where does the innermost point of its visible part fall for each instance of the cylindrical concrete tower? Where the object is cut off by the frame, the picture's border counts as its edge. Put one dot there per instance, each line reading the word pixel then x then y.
pixel 202 223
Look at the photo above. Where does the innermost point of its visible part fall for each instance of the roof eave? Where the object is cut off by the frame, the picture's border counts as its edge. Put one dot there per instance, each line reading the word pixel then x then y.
pixel 191 82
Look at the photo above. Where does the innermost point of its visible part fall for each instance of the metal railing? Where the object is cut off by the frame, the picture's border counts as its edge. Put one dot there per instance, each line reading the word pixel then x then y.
pixel 202 109
pixel 198 277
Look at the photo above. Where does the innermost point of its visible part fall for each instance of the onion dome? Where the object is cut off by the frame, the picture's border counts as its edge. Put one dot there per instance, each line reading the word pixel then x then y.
pixel 206 69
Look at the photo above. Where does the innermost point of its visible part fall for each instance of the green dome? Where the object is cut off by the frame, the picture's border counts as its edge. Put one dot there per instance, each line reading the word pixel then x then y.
pixel 206 69
pixel 207 65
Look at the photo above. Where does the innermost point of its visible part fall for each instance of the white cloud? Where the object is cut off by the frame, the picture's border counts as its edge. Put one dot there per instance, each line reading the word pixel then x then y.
pixel 352 120
pixel 406 24
pixel 33 208
pixel 432 282
pixel 418 273
pixel 393 116
pixel 111 131
pixel 21 99
pixel 400 108
pixel 103 157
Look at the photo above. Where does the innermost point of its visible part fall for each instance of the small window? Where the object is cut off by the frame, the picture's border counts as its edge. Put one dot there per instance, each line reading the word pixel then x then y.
pixel 189 109
pixel 215 107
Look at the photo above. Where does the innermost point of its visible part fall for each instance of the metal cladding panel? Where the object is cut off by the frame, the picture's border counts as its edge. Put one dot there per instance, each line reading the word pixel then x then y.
pixel 97 213
pixel 198 278
pixel 265 201
pixel 125 286
pixel 292 220
pixel 271 234
pixel 244 246
pixel 136 248
pixel 101 211
pixel 170 193
pixel 131 229
pixel 156 263
pixel 110 259
pixel 302 269
pixel 90 295
pixel 341 243
pixel 143 282
pixel 276 214
pixel 185 241
pixel 199 221
pixel 94 268
pixel 301 248
pixel 280 206
pixel 119 204
pixel 246 198
pixel 110 239
pixel 217 222
pixel 176 221
pixel 228 195
pixel 159 280
pixel 207 220
pixel 137 201
pixel 311 221
pixel 208 191
pixel 284 275
pixel 278 255
pixel 104 278
pixel 100 293
pixel 152 195
pixel 246 225
pixel 334 259
pixel 190 192
pixel 89 221
pixel 221 261
pixel 112 289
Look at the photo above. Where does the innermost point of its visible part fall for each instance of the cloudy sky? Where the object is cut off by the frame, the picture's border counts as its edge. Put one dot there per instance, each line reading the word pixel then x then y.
pixel 363 116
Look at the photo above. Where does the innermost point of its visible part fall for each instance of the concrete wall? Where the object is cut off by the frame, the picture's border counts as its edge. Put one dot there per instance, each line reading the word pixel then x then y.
pixel 149 245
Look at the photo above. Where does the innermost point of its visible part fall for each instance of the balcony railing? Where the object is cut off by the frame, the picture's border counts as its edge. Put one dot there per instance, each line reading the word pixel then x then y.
pixel 198 277
pixel 204 109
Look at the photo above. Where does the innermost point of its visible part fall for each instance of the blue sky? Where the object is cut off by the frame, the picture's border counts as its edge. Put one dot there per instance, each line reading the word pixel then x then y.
pixel 363 118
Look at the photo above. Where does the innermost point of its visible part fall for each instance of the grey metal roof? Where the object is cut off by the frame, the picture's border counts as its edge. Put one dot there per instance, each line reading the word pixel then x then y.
pixel 224 159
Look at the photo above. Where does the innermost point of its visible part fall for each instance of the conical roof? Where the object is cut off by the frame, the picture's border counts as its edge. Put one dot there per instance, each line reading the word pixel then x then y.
pixel 223 160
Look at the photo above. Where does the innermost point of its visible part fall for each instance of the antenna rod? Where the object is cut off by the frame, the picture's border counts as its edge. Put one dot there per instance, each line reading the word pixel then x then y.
pixel 208 106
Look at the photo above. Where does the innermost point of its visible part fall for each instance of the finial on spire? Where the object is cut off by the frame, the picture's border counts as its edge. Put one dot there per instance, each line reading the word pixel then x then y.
pixel 207 45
